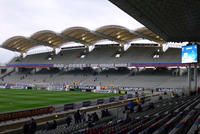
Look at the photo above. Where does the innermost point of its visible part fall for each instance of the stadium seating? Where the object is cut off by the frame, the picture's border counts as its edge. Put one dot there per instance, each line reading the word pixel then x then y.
pixel 168 115
pixel 99 54
pixel 104 78
pixel 147 125
pixel 195 126
pixel 174 115
pixel 108 78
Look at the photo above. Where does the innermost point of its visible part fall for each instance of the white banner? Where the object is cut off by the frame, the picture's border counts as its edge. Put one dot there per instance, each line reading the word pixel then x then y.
pixel 121 65
pixel 106 65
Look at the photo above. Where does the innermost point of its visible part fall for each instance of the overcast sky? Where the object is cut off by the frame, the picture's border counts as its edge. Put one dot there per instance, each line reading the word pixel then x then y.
pixel 25 17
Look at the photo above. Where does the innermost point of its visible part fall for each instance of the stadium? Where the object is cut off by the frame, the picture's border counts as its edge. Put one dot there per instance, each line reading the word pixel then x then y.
pixel 107 88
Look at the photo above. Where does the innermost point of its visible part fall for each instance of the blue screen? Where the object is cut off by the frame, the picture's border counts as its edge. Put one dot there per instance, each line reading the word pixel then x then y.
pixel 189 54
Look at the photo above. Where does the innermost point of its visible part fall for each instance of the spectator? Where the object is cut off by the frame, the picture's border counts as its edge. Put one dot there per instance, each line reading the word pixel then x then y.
pixel 136 94
pixel 54 126
pixel 160 98
pixel 107 112
pixel 89 118
pixel 172 94
pixel 138 101
pixel 143 93
pixel 95 117
pixel 48 127
pixel 83 116
pixel 103 113
pixel 131 106
pixel 68 120
pixel 90 121
pixel 33 126
pixel 26 128
pixel 152 91
pixel 142 100
pixel 176 95
pixel 139 108
pixel 183 94
pixel 77 117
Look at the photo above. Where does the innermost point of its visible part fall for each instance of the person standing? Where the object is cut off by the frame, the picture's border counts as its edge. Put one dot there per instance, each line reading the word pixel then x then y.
pixel 26 128
pixel 138 101
pixel 83 116
pixel 77 117
pixel 54 126
pixel 131 106
pixel 68 121
pixel 33 126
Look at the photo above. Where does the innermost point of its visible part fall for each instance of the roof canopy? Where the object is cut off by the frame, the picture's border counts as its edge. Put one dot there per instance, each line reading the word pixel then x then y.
pixel 81 35
pixel 48 38
pixel 172 20
pixel 19 43
pixel 117 33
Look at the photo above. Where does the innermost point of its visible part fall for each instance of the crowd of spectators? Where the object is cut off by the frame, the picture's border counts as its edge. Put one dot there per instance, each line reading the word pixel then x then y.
pixel 105 113
pixel 90 119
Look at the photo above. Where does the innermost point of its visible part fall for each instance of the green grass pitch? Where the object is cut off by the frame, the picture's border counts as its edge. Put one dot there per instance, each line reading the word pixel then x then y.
pixel 16 100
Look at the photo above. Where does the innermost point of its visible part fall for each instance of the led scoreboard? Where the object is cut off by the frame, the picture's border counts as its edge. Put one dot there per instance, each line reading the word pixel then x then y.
pixel 190 54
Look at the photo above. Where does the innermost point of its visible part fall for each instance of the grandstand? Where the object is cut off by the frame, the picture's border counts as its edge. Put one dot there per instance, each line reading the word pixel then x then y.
pixel 132 55
pixel 112 71
pixel 108 77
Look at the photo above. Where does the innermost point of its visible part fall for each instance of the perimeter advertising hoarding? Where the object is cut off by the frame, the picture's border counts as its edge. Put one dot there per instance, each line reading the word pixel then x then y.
pixel 190 54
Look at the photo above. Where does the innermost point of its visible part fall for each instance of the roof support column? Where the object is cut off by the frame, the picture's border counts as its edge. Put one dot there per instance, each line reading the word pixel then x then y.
pixel 21 54
pixel 189 78
pixel 122 47
pixel 86 48
pixel 54 50
pixel 195 78
pixel 126 46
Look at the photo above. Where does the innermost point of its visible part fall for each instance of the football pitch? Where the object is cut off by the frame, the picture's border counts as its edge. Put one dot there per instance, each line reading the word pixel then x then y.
pixel 16 100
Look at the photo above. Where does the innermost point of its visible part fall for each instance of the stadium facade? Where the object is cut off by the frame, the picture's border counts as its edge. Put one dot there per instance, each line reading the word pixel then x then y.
pixel 105 66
